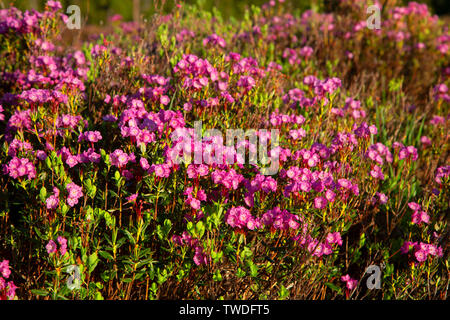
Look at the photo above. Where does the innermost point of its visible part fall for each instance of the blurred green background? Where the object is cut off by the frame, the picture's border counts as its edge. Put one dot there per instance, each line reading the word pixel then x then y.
pixel 97 11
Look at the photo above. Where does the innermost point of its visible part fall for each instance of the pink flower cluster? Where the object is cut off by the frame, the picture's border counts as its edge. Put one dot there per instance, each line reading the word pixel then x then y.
pixel 377 173
pixel 68 121
pixel 349 282
pixel 214 40
pixel 229 179
pixel 20 120
pixel 85 157
pixel 381 197
pixel 240 217
pixel 51 246
pixel 186 239
pixel 280 219
pixel 437 120
pixel 259 182
pixel 184 35
pixel 378 152
pixel 293 55
pixel 419 215
pixel 52 202
pixel 195 72
pixel 42 95
pixel 17 145
pixel 160 170
pixel 421 250
pixel 142 126
pixel 7 289
pixel 246 82
pixel 364 130
pixel 196 171
pixel 120 159
pixel 194 200
pixel 409 152
pixel 90 136
pixel 75 192
pixel 440 92
pixel 352 107
pixel 322 87
pixel 277 119
pixel 321 182
pixel 315 247
pixel 442 173
pixel 20 167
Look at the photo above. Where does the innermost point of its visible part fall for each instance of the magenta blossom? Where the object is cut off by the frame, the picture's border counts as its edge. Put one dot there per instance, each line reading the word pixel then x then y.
pixel 350 283
pixel 51 247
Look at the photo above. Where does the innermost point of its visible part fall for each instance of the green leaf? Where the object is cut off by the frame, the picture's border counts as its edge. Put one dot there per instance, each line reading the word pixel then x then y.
pixel 130 236
pixel 43 194
pixel 217 276
pixel 240 273
pixel 98 296
pixel 333 287
pixel 92 262
pixel 246 253
pixel 283 293
pixel 64 209
pixel 253 269
pixel 200 229
pixel 39 292
pixel 106 255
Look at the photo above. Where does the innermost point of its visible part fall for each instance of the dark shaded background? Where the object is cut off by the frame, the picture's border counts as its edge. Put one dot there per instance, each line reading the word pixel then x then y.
pixel 97 11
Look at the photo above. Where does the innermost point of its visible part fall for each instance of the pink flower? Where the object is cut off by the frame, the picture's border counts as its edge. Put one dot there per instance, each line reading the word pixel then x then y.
pixel 199 256
pixel 159 171
pixel 63 245
pixel 51 247
pixel 187 107
pixel 11 290
pixel 144 164
pixel 119 158
pixel 414 206
pixel 420 216
pixel 4 269
pixel 377 173
pixel 407 246
pixel 251 224
pixel 420 255
pixel 132 198
pixel 425 141
pixel 383 198
pixel 350 283
pixel 165 100
pixel 330 195
pixel 75 192
pixel 344 183
pixel 334 237
pixel 90 136
pixel 195 204
pixel 320 202
pixel 71 161
pixel 52 202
